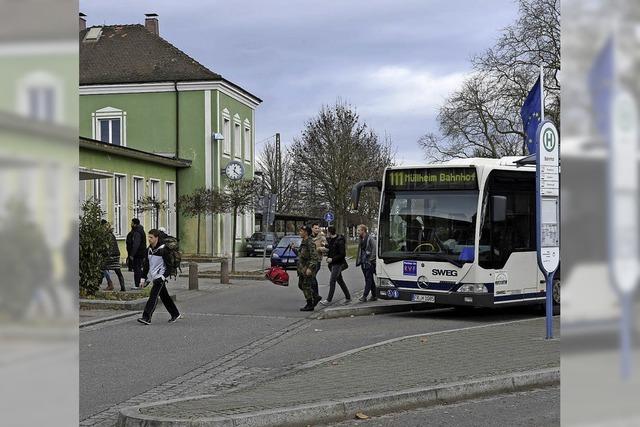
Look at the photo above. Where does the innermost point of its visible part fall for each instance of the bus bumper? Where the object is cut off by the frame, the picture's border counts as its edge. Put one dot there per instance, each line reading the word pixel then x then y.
pixel 439 298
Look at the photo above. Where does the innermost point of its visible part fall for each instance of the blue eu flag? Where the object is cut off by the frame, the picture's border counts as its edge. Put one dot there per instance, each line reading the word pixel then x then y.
pixel 531 115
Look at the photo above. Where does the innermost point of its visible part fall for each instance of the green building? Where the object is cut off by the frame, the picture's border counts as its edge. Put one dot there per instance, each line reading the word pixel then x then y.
pixel 151 123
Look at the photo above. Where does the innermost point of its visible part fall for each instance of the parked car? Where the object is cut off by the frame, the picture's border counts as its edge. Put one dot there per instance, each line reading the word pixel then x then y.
pixel 283 255
pixel 258 242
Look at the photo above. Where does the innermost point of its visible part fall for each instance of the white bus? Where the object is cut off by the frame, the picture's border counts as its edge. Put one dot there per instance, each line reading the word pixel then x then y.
pixel 459 233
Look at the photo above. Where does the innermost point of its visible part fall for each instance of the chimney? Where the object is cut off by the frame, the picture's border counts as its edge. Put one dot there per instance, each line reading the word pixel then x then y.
pixel 151 23
pixel 83 21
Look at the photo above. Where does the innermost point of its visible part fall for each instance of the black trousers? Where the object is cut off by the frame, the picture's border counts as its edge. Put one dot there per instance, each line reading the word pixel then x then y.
pixel 159 289
pixel 137 271
pixel 369 283
pixel 314 282
pixel 120 277
pixel 336 276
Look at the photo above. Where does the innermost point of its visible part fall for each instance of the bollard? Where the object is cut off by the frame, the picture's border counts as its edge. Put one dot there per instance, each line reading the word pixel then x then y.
pixel 193 276
pixel 224 271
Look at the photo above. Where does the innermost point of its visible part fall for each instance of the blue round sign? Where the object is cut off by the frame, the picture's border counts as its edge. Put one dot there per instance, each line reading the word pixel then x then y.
pixel 328 216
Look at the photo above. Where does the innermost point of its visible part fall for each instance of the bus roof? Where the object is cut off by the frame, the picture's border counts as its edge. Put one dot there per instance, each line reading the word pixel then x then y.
pixel 509 162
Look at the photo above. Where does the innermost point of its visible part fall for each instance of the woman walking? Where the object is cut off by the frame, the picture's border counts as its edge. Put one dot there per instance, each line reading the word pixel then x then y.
pixel 156 271
pixel 336 257
pixel 113 260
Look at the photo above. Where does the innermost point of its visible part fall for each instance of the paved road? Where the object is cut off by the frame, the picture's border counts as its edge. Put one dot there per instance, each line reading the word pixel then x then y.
pixel 255 323
pixel 533 408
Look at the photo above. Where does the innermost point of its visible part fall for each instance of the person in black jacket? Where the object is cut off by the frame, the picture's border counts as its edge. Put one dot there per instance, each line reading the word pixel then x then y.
pixel 336 257
pixel 112 262
pixel 156 272
pixel 136 249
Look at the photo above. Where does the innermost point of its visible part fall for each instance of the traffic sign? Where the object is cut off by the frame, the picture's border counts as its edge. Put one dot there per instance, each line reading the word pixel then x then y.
pixel 548 209
pixel 329 216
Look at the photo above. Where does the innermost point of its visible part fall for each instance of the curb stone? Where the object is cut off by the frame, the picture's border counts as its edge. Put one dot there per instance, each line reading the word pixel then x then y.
pixel 103 304
pixel 108 318
pixel 365 310
pixel 340 410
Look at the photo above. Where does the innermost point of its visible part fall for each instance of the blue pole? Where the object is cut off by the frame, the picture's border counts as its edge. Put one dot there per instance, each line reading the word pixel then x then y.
pixel 549 305
pixel 626 326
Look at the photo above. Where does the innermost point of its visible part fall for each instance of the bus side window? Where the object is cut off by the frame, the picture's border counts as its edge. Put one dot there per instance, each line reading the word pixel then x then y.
pixel 498 240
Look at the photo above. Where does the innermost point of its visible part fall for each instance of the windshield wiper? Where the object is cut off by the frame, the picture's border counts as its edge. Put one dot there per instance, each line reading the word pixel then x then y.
pixel 438 257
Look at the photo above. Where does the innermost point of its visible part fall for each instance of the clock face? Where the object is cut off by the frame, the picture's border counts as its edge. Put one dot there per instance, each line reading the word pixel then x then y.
pixel 234 171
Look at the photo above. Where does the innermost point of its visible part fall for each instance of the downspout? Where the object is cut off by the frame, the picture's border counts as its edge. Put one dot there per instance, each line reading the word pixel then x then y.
pixel 175 86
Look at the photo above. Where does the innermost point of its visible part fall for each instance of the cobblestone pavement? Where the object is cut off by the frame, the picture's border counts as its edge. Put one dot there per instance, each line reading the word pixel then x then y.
pixel 432 359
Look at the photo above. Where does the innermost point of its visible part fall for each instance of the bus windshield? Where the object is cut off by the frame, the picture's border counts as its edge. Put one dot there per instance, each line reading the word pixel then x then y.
pixel 428 225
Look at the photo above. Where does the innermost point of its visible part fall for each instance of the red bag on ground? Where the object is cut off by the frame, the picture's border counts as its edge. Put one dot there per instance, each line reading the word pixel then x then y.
pixel 277 276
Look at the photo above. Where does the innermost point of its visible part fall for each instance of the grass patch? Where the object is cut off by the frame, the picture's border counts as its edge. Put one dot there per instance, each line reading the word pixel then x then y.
pixel 119 296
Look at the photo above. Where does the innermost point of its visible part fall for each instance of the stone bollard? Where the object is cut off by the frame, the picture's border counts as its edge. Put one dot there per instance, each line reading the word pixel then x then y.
pixel 224 271
pixel 193 276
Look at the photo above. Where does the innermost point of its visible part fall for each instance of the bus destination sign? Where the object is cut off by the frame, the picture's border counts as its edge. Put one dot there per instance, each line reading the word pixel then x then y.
pixel 432 179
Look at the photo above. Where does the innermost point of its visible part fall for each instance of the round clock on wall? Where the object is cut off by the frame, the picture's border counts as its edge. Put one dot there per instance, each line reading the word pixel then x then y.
pixel 234 170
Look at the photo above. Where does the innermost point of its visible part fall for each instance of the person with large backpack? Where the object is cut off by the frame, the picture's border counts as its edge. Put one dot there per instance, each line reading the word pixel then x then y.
pixel 156 270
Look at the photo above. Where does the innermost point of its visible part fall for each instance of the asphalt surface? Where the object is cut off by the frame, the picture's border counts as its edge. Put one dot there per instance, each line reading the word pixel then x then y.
pixel 122 359
pixel 533 408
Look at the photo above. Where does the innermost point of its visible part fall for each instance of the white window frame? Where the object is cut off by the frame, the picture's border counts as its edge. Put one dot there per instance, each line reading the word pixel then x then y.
pixel 40 80
pixel 226 132
pixel 100 194
pixel 248 143
pixel 136 197
pixel 237 137
pixel 120 209
pixel 157 197
pixel 170 197
pixel 109 113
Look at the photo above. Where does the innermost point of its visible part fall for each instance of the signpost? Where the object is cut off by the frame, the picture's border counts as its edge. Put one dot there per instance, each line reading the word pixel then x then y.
pixel 548 209
pixel 329 217
pixel 268 218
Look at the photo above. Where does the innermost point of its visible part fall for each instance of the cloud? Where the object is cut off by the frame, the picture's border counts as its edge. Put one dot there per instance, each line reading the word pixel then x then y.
pixel 399 90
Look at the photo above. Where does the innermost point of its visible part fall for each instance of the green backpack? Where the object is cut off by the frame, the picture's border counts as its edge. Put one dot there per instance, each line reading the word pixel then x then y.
pixel 173 256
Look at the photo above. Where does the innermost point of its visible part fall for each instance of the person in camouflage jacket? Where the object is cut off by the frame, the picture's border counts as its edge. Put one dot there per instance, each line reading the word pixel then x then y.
pixel 308 262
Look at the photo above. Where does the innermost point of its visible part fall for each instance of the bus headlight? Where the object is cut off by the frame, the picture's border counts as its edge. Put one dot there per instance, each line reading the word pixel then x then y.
pixel 385 283
pixel 475 288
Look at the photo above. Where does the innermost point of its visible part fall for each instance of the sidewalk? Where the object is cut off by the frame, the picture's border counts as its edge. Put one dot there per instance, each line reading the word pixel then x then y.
pixel 459 363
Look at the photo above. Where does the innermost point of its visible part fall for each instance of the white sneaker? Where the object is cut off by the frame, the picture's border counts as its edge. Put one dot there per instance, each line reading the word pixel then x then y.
pixel 325 302
pixel 175 319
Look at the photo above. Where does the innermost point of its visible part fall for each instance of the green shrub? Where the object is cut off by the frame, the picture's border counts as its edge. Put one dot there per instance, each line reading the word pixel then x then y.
pixel 94 248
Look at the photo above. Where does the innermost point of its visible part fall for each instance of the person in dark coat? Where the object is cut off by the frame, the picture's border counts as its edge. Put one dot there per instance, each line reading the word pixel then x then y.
pixel 112 261
pixel 136 250
pixel 337 259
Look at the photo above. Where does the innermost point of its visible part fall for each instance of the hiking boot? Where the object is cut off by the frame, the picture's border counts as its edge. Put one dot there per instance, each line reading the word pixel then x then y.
pixel 144 321
pixel 316 300
pixel 362 299
pixel 109 286
pixel 308 307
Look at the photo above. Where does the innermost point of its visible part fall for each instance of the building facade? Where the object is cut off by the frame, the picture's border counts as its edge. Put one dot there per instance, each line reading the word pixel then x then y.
pixel 148 116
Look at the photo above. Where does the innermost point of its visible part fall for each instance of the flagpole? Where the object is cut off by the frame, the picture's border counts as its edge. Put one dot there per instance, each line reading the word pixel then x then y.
pixel 541 93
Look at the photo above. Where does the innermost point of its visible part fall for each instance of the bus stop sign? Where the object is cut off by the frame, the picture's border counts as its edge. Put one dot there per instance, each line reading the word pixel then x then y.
pixel 548 198
pixel 548 209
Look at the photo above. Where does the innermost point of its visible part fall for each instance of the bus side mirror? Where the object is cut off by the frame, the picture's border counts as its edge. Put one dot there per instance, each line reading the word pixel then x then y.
pixel 498 208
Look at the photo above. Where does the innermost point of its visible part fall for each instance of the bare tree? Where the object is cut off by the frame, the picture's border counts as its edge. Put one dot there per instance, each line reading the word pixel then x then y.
pixel 280 181
pixel 482 118
pixel 335 151
pixel 239 197
pixel 201 202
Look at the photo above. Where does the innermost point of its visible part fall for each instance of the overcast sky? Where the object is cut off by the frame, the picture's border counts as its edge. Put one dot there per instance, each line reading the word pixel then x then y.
pixel 395 61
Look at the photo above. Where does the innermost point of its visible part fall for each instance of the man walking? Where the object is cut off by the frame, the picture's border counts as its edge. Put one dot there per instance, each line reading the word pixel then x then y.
pixel 157 272
pixel 320 242
pixel 136 250
pixel 367 260
pixel 307 265
pixel 336 257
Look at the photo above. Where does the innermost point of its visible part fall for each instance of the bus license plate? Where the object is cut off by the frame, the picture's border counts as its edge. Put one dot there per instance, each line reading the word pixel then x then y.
pixel 423 298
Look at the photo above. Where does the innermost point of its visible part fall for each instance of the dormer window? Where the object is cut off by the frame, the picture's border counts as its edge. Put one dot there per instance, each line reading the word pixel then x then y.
pixel 109 125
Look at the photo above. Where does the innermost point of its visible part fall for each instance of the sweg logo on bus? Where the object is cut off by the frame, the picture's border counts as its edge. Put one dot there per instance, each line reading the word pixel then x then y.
pixel 442 272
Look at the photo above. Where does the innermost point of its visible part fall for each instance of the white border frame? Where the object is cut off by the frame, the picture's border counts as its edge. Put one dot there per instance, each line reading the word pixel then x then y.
pixel 109 113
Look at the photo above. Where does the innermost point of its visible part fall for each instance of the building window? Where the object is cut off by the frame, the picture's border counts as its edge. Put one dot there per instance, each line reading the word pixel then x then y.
pixel 99 194
pixel 110 126
pixel 247 142
pixel 237 137
pixel 119 205
pixel 226 132
pixel 154 193
pixel 170 190
pixel 110 131
pixel 40 97
pixel 138 193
